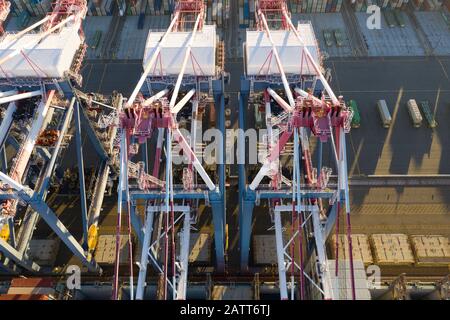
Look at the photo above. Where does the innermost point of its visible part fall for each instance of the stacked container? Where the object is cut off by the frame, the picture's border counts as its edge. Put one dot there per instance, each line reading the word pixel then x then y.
pixel 447 4
pixel 431 5
pixel 30 289
pixel 37 8
pixel 100 7
pixel 362 5
pixel 316 6
pixel 105 252
pixel 392 249
pixel 216 10
pixel 361 248
pixel 431 249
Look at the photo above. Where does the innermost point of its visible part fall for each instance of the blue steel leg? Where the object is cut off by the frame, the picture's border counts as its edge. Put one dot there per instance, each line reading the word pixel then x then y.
pixel 4 162
pixel 245 230
pixel 84 216
pixel 136 223
pixel 12 233
pixel 218 204
pixel 245 206
pixel 14 255
pixel 330 220
pixel 220 101
pixel 6 270
pixel 61 231
pixel 87 127
pixel 241 151
pixel 13 142
pixel 218 214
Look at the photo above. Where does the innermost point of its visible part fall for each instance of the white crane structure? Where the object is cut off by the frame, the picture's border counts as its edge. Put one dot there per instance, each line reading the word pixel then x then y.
pixel 181 70
pixel 37 73
pixel 284 63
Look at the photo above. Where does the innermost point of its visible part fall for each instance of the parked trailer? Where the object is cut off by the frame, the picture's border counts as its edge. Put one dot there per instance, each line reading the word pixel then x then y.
pixel 414 113
pixel 426 110
pixel 390 18
pixel 399 17
pixel 339 37
pixel 356 119
pixel 96 39
pixel 385 116
pixel 328 38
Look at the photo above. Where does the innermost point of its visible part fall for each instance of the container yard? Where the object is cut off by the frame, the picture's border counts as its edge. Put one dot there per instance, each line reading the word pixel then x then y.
pixel 224 150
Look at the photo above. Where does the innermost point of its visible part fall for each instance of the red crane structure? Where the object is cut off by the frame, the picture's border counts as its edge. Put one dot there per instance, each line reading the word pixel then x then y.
pixel 5 7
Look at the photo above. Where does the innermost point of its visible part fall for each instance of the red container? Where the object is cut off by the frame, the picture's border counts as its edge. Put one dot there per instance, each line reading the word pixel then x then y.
pixel 23 297
pixel 32 282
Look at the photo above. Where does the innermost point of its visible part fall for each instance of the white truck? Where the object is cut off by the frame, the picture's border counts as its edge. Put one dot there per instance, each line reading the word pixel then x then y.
pixel 414 113
pixel 385 116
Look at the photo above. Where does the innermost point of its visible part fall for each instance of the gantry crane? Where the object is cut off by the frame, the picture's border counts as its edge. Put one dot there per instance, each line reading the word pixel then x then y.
pixel 283 71
pixel 31 73
pixel 180 71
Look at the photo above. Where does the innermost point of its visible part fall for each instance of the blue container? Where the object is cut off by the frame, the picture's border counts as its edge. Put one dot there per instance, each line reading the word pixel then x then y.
pixel 158 4
pixel 141 21
pixel 246 10
pixel 171 6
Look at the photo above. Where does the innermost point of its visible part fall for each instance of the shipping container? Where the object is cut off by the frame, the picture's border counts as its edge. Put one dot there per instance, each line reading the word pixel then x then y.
pixel 24 19
pixel 390 18
pixel 431 250
pixel 361 248
pixel 328 38
pixel 399 17
pixel 392 249
pixel 96 39
pixel 429 116
pixel 258 117
pixel 339 37
pixel 384 113
pixel 356 120
pixel 414 113
pixel 32 282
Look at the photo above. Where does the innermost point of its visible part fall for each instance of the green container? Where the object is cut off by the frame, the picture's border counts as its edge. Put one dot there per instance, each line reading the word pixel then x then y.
pixel 339 37
pixel 390 18
pixel 356 120
pixel 328 38
pixel 399 17
pixel 96 39
pixel 24 19
pixel 425 106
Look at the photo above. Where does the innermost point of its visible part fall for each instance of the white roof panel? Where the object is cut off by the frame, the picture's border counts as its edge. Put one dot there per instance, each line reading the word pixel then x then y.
pixel 49 58
pixel 258 49
pixel 173 49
